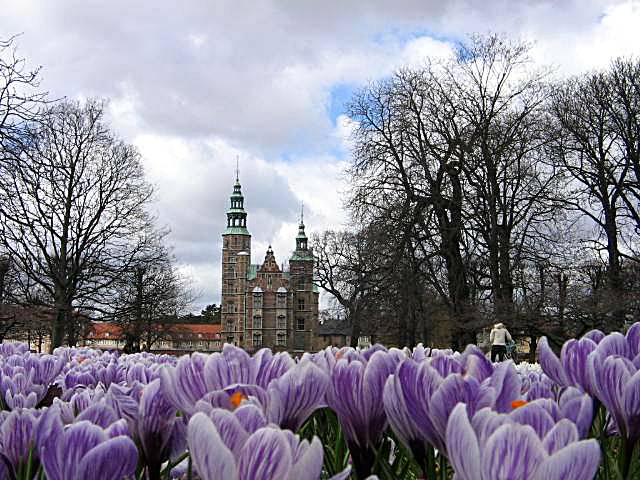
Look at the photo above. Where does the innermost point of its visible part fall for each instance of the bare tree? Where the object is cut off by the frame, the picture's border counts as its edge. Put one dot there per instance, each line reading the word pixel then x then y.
pixel 149 298
pixel 344 270
pixel 624 111
pixel 509 188
pixel 74 203
pixel 20 100
pixel 596 149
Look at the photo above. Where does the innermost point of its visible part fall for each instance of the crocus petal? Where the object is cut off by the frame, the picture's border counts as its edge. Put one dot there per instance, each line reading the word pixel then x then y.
pixel 211 457
pixel 265 456
pixel 609 376
pixel 17 435
pixel 231 432
pixel 574 361
pixel 155 423
pixel 452 390
pixel 577 460
pixel 550 363
pixel 633 339
pixel 462 444
pixel 117 428
pixel 513 452
pixel 309 464
pixel 77 440
pixel 562 434
pixel 580 411
pixel 49 431
pixel 535 416
pixel 614 344
pixel 296 395
pixel 233 365
pixel 477 364
pixel 250 417
pixel 184 384
pixel 98 414
pixel 274 368
pixel 445 365
pixel 631 406
pixel 594 335
pixel 114 459
pixel 487 421
pixel 507 384
pixel 407 396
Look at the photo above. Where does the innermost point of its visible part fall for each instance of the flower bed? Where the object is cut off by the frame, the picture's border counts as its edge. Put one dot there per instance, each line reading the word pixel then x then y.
pixel 386 413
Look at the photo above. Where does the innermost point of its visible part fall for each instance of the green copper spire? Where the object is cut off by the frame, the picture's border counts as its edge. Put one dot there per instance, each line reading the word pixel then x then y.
pixel 302 251
pixel 236 216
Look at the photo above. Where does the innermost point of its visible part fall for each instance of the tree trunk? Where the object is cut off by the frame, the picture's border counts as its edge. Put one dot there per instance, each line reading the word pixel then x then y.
pixel 59 324
pixel 533 347
pixel 355 331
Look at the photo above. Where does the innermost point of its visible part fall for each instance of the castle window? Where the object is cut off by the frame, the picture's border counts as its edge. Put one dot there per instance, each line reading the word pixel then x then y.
pixel 300 303
pixel 257 321
pixel 282 300
pixel 300 324
pixel 257 300
pixel 257 340
pixel 281 339
pixel 269 280
pixel 282 322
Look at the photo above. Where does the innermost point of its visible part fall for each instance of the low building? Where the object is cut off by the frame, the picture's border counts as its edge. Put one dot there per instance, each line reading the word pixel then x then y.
pixel 177 340
pixel 332 332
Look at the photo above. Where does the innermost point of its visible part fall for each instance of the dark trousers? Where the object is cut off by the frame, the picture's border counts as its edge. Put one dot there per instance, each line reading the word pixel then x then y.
pixel 498 351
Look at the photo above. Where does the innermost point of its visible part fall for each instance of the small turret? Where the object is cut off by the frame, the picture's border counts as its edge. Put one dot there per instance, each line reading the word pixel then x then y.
pixel 302 251
pixel 236 215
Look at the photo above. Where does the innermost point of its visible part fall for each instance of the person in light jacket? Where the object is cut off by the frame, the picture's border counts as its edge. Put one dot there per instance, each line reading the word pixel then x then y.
pixel 499 337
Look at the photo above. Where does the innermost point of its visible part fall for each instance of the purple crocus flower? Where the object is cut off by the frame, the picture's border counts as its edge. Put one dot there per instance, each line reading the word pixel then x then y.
pixel 161 433
pixel 356 397
pixel 570 370
pixel 184 384
pixel 268 453
pixel 197 375
pixel 83 450
pixel 502 449
pixel 17 438
pixel 418 400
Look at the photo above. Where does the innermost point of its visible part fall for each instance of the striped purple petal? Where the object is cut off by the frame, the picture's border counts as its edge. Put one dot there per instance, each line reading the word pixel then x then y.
pixel 296 395
pixel 513 452
pixel 462 444
pixel 562 434
pixel 114 459
pixel 265 456
pixel 550 363
pixel 211 458
pixel 577 460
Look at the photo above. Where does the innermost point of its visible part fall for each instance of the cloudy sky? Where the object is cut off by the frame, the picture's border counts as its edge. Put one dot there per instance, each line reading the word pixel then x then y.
pixel 193 84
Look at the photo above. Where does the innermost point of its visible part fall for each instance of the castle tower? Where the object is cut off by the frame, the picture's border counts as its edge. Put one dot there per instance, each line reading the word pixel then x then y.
pixel 305 294
pixel 236 260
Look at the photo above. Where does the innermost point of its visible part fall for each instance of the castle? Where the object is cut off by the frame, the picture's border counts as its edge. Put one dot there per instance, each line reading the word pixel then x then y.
pixel 263 305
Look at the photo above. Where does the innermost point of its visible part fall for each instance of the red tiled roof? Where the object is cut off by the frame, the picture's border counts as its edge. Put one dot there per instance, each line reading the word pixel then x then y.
pixel 99 330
